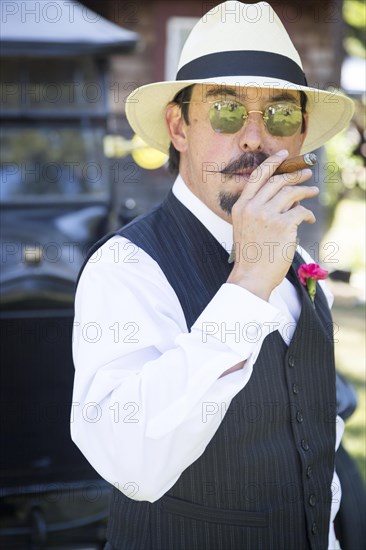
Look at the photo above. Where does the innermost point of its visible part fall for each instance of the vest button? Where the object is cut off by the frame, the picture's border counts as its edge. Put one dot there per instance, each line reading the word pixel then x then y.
pixel 299 417
pixel 305 445
pixel 309 471
pixel 291 361
pixel 314 528
pixel 312 500
pixel 295 389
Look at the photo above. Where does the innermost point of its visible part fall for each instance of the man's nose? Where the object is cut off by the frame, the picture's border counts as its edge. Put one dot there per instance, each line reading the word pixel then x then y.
pixel 252 134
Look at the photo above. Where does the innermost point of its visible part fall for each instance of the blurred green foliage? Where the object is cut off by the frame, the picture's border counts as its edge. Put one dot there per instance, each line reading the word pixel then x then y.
pixel 346 178
pixel 354 15
pixel 346 152
pixel 350 361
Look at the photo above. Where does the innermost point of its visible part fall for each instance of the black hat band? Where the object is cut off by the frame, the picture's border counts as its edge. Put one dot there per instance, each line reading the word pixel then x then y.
pixel 239 63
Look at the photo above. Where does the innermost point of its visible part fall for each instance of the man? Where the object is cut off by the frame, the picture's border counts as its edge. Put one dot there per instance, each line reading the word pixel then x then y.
pixel 205 387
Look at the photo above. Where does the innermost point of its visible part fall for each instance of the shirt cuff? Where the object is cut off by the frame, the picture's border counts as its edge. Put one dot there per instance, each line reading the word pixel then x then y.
pixel 239 319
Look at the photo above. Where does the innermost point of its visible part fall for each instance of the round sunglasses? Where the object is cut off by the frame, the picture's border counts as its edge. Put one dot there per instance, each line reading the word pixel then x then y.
pixel 229 116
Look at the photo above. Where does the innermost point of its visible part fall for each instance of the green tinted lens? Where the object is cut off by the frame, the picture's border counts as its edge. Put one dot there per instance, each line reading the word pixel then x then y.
pixel 227 117
pixel 282 119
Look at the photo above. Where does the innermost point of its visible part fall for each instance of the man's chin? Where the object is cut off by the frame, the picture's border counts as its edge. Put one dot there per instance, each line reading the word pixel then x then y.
pixel 227 201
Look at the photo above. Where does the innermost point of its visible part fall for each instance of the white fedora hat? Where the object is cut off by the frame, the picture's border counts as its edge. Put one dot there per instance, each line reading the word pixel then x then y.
pixel 237 44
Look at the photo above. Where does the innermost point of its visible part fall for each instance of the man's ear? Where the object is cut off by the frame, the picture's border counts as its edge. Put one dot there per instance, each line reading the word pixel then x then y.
pixel 176 127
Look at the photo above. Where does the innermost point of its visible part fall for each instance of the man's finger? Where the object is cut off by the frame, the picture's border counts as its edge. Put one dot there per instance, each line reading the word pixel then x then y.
pixel 300 214
pixel 261 175
pixel 268 192
pixel 288 196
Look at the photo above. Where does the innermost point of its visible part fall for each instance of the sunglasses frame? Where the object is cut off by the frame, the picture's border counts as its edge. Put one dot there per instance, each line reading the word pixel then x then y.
pixel 265 116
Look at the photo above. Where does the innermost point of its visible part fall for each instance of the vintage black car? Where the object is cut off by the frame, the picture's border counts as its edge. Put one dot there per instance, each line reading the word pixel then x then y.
pixel 55 200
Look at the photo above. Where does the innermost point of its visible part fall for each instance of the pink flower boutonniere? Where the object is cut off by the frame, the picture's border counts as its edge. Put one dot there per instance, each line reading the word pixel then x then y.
pixel 309 274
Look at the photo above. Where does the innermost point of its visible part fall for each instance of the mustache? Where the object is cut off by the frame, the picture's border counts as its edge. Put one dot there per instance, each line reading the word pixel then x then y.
pixel 246 161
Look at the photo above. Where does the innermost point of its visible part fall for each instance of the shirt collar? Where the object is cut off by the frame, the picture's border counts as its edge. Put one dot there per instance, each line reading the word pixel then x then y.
pixel 219 228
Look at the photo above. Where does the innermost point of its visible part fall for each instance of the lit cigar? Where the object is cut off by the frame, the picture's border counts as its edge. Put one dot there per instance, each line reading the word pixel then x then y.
pixel 296 163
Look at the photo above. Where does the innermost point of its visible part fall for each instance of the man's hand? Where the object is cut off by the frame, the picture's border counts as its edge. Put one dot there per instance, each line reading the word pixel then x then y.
pixel 268 214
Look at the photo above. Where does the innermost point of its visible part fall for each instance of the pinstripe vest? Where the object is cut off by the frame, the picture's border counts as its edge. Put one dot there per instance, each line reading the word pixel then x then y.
pixel 264 479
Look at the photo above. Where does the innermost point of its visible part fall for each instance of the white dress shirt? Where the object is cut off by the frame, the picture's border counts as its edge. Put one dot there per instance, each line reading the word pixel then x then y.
pixel 148 394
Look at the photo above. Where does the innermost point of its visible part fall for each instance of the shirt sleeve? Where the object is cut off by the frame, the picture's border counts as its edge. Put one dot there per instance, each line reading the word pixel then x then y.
pixel 336 490
pixel 149 395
